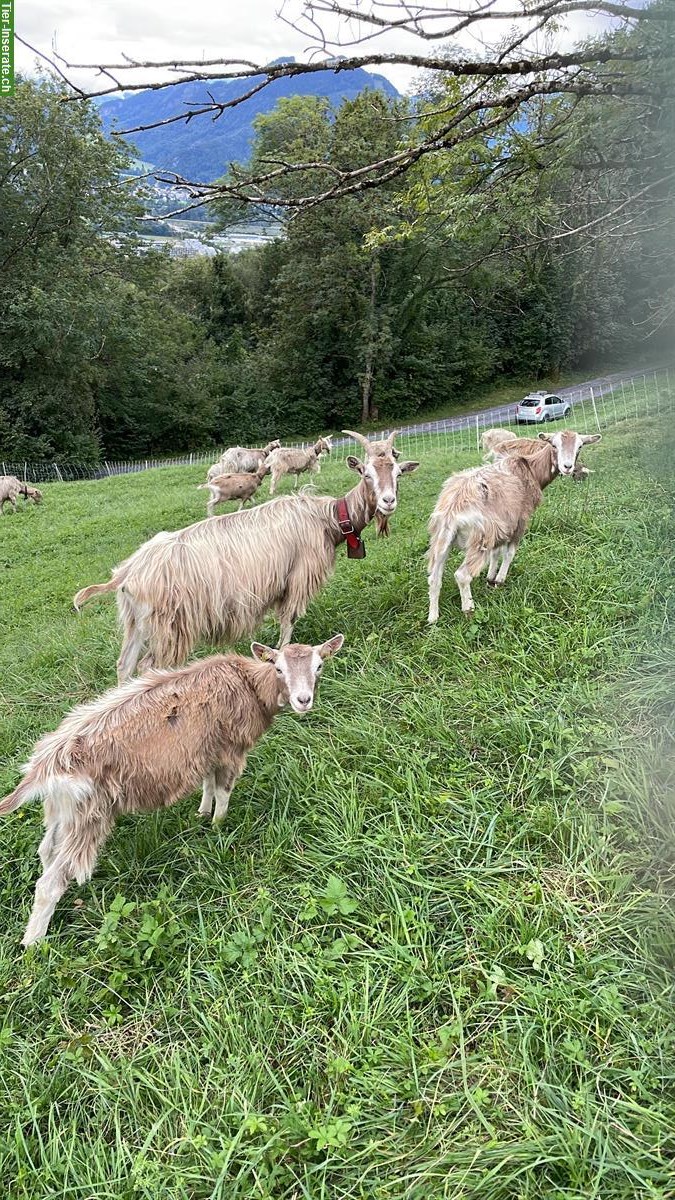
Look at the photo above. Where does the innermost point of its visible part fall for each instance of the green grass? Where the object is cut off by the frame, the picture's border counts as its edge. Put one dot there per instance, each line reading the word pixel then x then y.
pixel 430 953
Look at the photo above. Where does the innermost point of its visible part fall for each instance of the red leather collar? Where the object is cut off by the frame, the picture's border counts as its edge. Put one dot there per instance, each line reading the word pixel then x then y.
pixel 351 536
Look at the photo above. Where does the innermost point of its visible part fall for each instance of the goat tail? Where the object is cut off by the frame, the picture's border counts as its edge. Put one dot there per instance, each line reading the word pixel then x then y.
pixel 95 589
pixel 25 791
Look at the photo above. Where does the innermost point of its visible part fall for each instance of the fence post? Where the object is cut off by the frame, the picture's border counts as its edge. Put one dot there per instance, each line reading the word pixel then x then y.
pixel 477 434
pixel 595 411
pixel 56 468
pixel 658 397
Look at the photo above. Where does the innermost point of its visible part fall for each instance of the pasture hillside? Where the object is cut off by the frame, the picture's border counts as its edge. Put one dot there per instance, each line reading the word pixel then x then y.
pixel 430 953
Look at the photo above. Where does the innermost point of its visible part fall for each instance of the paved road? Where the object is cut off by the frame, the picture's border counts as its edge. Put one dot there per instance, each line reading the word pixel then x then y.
pixel 503 413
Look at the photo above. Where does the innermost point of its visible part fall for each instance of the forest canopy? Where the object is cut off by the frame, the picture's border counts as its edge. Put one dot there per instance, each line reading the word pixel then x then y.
pixel 541 246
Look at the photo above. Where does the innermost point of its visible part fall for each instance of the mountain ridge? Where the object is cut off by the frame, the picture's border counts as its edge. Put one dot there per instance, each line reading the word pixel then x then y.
pixel 202 149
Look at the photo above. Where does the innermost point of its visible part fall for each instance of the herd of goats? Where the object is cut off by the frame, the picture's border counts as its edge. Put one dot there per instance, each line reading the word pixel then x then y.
pixel 154 739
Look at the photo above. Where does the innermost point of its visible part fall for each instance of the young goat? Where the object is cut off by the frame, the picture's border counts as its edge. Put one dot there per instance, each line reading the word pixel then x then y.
pixel 242 487
pixel 147 744
pixel 218 579
pixel 11 487
pixel 486 510
pixel 241 459
pixel 287 461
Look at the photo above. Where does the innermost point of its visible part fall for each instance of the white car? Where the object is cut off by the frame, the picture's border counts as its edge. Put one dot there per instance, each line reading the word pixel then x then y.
pixel 542 406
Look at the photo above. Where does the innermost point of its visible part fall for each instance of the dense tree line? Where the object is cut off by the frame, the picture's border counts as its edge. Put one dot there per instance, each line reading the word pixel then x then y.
pixel 516 255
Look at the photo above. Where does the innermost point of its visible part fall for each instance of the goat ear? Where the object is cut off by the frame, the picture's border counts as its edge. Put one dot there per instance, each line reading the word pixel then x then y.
pixel 355 464
pixel 263 653
pixel 587 438
pixel 331 647
pixel 406 467
pixel 544 437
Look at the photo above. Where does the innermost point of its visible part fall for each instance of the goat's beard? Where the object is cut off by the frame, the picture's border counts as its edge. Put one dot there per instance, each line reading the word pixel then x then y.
pixel 382 525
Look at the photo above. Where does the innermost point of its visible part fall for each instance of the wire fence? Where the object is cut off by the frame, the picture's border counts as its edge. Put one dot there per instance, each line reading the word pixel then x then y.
pixel 593 407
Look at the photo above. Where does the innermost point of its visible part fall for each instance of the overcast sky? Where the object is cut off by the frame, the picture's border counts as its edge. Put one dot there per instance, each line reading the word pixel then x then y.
pixel 100 31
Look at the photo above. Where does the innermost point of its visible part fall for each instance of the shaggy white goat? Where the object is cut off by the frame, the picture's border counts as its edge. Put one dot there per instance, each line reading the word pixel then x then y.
pixel 217 579
pixel 241 459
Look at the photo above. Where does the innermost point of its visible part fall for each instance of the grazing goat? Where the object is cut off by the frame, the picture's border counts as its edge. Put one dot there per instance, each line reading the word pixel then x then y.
pixel 498 442
pixel 486 510
pixel 287 461
pixel 240 459
pixel 147 744
pixel 242 487
pixel 217 579
pixel 11 487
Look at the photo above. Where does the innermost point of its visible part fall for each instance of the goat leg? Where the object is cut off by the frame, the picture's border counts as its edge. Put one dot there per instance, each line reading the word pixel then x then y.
pixel 225 778
pixel 208 794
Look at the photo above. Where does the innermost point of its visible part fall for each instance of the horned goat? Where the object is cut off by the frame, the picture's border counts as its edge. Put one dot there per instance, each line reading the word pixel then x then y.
pixel 502 441
pixel 217 579
pixel 149 743
pixel 287 461
pixel 486 510
pixel 11 487
pixel 242 487
pixel 241 459
pixel 377 450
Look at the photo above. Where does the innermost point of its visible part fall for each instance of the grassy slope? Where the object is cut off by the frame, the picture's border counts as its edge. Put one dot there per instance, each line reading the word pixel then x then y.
pixel 482 1007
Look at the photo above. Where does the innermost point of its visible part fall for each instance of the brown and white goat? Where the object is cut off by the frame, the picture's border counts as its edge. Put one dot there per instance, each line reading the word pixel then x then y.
pixel 502 441
pixel 241 486
pixel 373 451
pixel 149 743
pixel 219 578
pixel 486 510
pixel 287 461
pixel 11 487
pixel 240 459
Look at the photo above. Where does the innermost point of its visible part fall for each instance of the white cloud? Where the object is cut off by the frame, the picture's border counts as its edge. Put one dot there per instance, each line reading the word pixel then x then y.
pixel 163 30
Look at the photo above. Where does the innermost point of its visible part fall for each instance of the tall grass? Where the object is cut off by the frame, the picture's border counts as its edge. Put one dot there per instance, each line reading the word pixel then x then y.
pixel 430 952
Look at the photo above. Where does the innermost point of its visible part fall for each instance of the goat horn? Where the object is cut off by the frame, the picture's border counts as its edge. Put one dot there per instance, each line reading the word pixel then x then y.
pixel 358 437
pixel 390 439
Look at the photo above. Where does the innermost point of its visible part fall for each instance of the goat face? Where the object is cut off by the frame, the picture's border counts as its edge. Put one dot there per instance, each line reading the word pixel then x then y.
pixel 567 444
pixel 381 475
pixel 298 668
